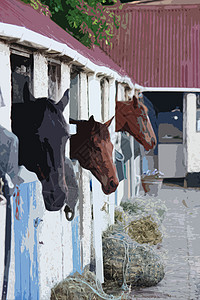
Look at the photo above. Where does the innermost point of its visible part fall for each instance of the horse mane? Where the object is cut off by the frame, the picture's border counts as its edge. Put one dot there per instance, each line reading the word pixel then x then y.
pixel 83 127
pixel 102 131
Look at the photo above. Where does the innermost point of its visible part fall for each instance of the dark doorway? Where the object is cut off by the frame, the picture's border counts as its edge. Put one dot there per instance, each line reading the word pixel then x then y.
pixel 22 72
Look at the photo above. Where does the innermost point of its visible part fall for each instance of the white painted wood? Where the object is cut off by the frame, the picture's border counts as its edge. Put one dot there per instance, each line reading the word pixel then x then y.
pixel 50 252
pixel 65 84
pixel 72 129
pixel 120 188
pixel 171 160
pixel 84 104
pixel 137 177
pixel 121 92
pixel 112 92
pixel 86 222
pixel 66 230
pixel 40 76
pixel 11 283
pixel 105 99
pixel 94 95
pixel 111 113
pixel 67 251
pixel 5 85
pixel 5 89
pixel 192 137
pixel 50 255
pixel 108 111
pixel 97 195
pixel 168 89
pixel 133 174
pixel 39 41
pixel 84 183
pixel 97 205
pixel 185 131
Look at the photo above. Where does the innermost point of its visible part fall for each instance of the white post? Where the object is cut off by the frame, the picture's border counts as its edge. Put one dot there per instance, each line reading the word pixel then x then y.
pixel 111 113
pixel 65 84
pixel 50 265
pixel 121 187
pixel 66 234
pixel 5 94
pixel 192 136
pixel 94 93
pixel 40 76
pixel 5 86
pixel 133 177
pixel 84 188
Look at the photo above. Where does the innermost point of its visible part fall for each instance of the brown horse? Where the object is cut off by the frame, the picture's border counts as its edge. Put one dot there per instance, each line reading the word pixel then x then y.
pixel 132 116
pixel 92 147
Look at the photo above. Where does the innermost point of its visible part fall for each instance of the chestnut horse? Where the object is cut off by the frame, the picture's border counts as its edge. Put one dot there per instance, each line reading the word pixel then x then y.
pixel 92 147
pixel 132 116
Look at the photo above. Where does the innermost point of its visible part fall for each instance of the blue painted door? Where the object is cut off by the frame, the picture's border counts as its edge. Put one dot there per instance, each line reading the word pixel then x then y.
pixel 25 234
pixel 76 244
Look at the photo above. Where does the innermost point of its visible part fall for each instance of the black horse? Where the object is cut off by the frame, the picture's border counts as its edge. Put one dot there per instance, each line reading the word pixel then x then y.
pixel 43 133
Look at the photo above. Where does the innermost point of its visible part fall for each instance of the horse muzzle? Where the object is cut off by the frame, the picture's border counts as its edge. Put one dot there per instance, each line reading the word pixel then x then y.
pixel 150 145
pixel 54 196
pixel 110 187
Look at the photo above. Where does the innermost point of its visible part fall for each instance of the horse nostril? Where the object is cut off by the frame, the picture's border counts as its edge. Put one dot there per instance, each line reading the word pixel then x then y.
pixel 112 184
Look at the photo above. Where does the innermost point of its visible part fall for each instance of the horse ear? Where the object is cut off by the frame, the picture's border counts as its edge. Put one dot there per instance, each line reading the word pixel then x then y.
pixel 91 120
pixel 63 101
pixel 27 96
pixel 109 122
pixel 92 123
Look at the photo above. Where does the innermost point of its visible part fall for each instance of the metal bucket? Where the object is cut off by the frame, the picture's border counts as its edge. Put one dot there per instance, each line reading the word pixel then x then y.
pixel 151 186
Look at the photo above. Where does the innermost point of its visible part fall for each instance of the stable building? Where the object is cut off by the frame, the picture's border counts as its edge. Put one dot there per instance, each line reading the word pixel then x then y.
pixel 158 45
pixel 45 247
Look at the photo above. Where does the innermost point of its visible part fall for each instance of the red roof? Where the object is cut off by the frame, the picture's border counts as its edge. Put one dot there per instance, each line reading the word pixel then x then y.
pixel 159 46
pixel 17 13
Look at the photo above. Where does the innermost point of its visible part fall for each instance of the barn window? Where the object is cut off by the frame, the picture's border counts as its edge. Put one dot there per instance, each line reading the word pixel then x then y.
pixel 54 79
pixel 22 72
pixel 74 93
pixel 198 112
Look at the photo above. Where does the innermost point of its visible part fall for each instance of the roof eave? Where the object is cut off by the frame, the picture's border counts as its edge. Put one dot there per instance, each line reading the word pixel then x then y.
pixel 27 37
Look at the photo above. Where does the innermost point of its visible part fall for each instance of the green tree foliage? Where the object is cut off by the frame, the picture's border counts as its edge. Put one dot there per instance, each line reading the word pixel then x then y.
pixel 89 21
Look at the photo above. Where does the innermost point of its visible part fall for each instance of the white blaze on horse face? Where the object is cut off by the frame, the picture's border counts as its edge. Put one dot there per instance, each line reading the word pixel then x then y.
pixel 104 167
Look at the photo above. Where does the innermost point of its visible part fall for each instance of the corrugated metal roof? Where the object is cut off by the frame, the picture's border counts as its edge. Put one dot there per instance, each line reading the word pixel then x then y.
pixel 164 2
pixel 17 13
pixel 159 45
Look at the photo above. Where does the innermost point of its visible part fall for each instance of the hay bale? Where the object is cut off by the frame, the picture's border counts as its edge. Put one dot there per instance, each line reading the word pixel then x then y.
pixel 132 207
pixel 83 287
pixel 144 230
pixel 74 288
pixel 144 206
pixel 127 262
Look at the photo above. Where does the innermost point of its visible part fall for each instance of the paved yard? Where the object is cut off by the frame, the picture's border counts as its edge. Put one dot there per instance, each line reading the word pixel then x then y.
pixel 180 247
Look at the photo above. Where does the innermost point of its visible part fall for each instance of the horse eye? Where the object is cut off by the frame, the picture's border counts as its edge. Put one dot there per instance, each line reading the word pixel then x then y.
pixel 97 148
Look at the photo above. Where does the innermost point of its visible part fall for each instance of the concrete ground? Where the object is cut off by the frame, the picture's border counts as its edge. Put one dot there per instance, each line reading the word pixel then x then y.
pixel 180 248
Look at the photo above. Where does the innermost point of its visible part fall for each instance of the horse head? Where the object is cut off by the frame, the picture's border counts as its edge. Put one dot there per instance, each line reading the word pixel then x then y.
pixel 92 147
pixel 132 116
pixel 43 133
